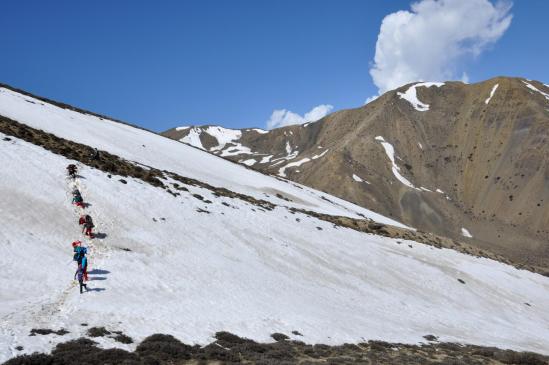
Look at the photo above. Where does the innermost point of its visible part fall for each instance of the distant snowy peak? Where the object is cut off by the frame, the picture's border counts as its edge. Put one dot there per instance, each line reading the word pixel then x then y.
pixel 410 95
pixel 252 147
pixel 215 138
pixel 223 136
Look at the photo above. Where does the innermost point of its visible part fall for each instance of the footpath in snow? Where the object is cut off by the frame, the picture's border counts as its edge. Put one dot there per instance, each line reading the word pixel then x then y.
pixel 189 268
pixel 196 263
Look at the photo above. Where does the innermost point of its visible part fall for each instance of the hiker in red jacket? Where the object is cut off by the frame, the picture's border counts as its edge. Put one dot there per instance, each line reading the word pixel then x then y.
pixel 87 223
pixel 87 229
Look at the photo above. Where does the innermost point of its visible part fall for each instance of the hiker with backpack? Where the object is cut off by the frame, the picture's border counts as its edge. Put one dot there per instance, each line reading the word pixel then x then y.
pixel 77 198
pixel 81 258
pixel 79 251
pixel 80 275
pixel 71 170
pixel 87 223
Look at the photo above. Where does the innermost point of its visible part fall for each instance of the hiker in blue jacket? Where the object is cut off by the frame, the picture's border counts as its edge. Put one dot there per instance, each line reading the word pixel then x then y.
pixel 80 275
pixel 79 251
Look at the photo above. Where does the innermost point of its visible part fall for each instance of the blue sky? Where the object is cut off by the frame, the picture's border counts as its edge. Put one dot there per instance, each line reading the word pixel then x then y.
pixel 166 63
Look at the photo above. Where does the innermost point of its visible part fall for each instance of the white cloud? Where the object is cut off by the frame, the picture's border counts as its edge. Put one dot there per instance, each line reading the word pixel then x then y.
pixel 428 42
pixel 282 117
pixel 371 98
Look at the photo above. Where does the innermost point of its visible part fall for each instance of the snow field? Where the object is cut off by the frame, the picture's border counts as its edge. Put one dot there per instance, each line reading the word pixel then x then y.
pixel 237 268
pixel 150 149
pixel 195 268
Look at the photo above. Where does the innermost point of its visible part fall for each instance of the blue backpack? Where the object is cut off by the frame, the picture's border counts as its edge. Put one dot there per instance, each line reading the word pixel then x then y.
pixel 79 253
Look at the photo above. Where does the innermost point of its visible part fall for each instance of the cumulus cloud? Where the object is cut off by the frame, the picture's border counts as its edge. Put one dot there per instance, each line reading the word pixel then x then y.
pixel 282 117
pixel 430 42
pixel 371 98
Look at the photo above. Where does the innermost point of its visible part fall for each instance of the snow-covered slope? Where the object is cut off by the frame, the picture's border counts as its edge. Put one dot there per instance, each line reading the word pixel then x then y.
pixel 178 265
pixel 159 152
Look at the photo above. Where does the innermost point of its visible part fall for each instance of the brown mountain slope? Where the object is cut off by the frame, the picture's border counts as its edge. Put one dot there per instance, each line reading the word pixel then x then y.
pixel 465 162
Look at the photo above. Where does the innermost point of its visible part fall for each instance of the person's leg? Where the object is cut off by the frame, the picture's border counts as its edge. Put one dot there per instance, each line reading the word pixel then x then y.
pixel 81 285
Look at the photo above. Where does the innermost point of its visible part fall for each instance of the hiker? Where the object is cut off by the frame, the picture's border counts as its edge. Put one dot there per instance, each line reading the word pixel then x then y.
pixel 86 221
pixel 77 198
pixel 87 228
pixel 71 170
pixel 95 154
pixel 80 274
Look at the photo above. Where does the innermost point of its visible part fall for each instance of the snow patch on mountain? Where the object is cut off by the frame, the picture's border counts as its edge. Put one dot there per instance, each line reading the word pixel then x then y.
pixel 491 94
pixel 532 87
pixel 249 162
pixel 193 138
pixel 321 155
pixel 466 233
pixel 411 95
pixel 237 149
pixel 260 131
pixel 282 170
pixel 359 179
pixel 266 159
pixel 390 151
pixel 223 136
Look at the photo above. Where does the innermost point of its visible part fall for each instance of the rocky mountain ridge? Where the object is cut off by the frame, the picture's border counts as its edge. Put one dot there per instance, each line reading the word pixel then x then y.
pixel 466 161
